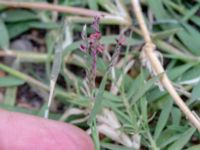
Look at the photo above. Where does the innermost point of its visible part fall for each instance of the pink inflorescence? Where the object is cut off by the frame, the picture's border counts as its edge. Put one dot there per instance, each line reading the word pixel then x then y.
pixel 92 44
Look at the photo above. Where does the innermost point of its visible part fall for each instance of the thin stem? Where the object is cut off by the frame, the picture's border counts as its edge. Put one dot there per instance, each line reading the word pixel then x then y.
pixel 156 65
pixel 52 87
pixel 105 20
pixel 25 56
pixel 152 142
pixel 140 19
pixel 23 77
pixel 53 7
pixel 39 57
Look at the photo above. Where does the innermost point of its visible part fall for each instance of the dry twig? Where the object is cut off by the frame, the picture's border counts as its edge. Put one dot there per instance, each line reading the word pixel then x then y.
pixel 157 67
pixel 53 7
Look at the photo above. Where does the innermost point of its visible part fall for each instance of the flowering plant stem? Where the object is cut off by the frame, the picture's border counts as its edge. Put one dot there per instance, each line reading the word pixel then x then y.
pixel 156 65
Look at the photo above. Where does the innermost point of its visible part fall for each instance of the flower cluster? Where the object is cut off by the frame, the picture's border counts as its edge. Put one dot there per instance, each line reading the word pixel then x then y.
pixel 92 44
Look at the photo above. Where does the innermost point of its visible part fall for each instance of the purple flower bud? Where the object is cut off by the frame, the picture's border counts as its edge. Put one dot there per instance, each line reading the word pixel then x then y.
pixel 84 33
pixel 95 24
pixel 100 48
pixel 83 48
pixel 95 36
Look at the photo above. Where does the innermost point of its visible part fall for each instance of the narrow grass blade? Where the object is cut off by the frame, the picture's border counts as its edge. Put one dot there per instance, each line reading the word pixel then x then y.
pixel 54 75
pixel 115 147
pixel 17 15
pixel 164 115
pixel 4 38
pixel 143 108
pixel 158 9
pixel 98 100
pixel 95 135
pixel 176 116
pixel 10 81
pixel 16 29
pixel 190 13
pixel 183 140
pixel 190 75
pixel 142 89
pixel 10 96
pixel 195 92
pixel 93 4
pixel 196 147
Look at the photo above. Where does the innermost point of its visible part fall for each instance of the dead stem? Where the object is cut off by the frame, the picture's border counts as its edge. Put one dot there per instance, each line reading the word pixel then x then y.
pixel 156 65
pixel 53 7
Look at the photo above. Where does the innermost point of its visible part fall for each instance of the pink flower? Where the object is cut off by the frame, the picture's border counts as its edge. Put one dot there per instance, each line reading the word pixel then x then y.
pixel 92 45
pixel 100 48
pixel 93 40
pixel 95 36
pixel 83 48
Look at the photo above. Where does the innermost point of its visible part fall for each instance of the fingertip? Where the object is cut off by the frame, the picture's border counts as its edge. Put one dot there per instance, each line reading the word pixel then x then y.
pixel 30 132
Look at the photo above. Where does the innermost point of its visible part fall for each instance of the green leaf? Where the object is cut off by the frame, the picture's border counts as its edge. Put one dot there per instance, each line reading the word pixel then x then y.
pixel 167 137
pixel 20 27
pixel 95 135
pixel 164 115
pixel 17 29
pixel 166 33
pixel 44 25
pixel 195 92
pixel 142 89
pixel 10 81
pixel 196 147
pixel 190 34
pixel 42 110
pixel 109 6
pixel 196 20
pixel 17 109
pixel 50 43
pixel 16 15
pixel 183 140
pixel 178 71
pixel 191 74
pixel 98 99
pixel 190 13
pixel 176 116
pixel 143 108
pixel 158 9
pixel 132 89
pixel 4 37
pixel 10 96
pixel 115 147
pixel 93 4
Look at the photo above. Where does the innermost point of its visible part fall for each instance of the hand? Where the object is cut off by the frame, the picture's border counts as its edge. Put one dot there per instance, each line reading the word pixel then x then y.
pixel 24 132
